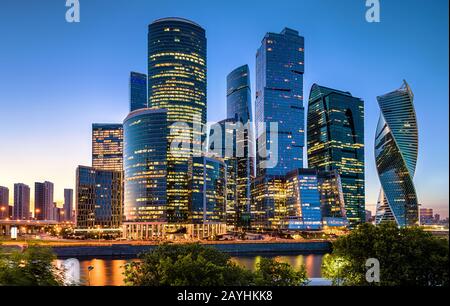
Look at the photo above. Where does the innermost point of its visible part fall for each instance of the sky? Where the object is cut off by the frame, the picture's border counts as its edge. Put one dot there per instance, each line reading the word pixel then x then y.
pixel 57 78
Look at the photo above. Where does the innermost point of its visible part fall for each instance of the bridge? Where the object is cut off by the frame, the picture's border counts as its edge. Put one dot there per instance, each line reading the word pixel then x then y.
pixel 26 226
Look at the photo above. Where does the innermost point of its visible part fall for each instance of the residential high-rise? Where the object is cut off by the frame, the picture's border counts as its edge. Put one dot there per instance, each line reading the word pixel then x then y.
pixel 21 209
pixel 107 146
pixel 145 165
pixel 43 201
pixel 177 82
pixel 138 91
pixel 336 142
pixel 4 202
pixel 99 199
pixel 279 104
pixel 396 147
pixel 208 190
pixel 68 204
pixel 303 211
pixel 239 109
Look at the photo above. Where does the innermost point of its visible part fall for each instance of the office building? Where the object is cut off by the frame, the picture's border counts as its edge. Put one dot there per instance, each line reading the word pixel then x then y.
pixel 208 190
pixel 177 82
pixel 145 165
pixel 426 216
pixel 99 199
pixel 396 147
pixel 107 146
pixel 332 199
pixel 279 119
pixel 138 91
pixel 303 209
pixel 21 208
pixel 239 109
pixel 336 142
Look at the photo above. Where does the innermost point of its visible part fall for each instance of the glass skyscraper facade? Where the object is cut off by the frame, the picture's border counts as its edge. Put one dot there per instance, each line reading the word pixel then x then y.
pixel 396 147
pixel 107 146
pixel 145 165
pixel 239 110
pixel 21 208
pixel 336 142
pixel 332 199
pixel 177 82
pixel 208 190
pixel 279 99
pixel 99 198
pixel 303 209
pixel 138 91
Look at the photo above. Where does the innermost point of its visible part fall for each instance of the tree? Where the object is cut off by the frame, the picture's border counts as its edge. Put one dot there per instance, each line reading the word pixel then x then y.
pixel 197 265
pixel 272 273
pixel 407 256
pixel 32 267
pixel 182 265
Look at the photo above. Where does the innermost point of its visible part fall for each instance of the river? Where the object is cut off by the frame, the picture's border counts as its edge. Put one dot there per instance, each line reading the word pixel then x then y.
pixel 108 271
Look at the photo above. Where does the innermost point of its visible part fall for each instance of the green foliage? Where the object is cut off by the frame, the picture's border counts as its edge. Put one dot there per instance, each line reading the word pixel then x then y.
pixel 197 265
pixel 32 267
pixel 407 256
pixel 272 273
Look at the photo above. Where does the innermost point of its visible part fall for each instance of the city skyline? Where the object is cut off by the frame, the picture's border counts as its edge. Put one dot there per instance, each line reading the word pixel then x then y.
pixel 65 177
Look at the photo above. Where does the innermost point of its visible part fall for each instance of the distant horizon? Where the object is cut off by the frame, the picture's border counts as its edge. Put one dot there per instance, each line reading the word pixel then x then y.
pixel 70 76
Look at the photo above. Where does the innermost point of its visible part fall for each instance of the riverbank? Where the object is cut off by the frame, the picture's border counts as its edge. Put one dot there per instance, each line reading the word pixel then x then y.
pixel 132 250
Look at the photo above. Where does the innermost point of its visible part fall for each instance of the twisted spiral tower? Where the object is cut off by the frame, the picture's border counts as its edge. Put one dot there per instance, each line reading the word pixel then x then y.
pixel 396 147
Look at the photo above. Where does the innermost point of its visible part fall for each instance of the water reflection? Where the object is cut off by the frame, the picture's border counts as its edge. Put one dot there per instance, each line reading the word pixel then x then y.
pixel 109 272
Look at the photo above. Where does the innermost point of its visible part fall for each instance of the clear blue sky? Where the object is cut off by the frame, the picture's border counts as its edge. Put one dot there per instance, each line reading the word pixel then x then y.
pixel 57 78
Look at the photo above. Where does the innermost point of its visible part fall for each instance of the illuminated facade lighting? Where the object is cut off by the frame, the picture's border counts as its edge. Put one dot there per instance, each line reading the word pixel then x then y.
pixel 207 190
pixel 99 199
pixel 336 142
pixel 396 147
pixel 107 146
pixel 145 165
pixel 279 99
pixel 177 82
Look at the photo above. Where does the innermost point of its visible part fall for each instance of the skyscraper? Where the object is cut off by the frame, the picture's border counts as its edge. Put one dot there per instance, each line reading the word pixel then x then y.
pixel 303 211
pixel 208 190
pixel 43 201
pixel 239 109
pixel 145 165
pixel 336 142
pixel 107 146
pixel 226 149
pixel 4 202
pixel 177 82
pixel 332 199
pixel 68 204
pixel 21 209
pixel 396 147
pixel 99 199
pixel 138 91
pixel 279 100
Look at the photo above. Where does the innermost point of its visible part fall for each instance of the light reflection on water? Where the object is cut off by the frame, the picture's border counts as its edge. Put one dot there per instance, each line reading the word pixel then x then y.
pixel 109 271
